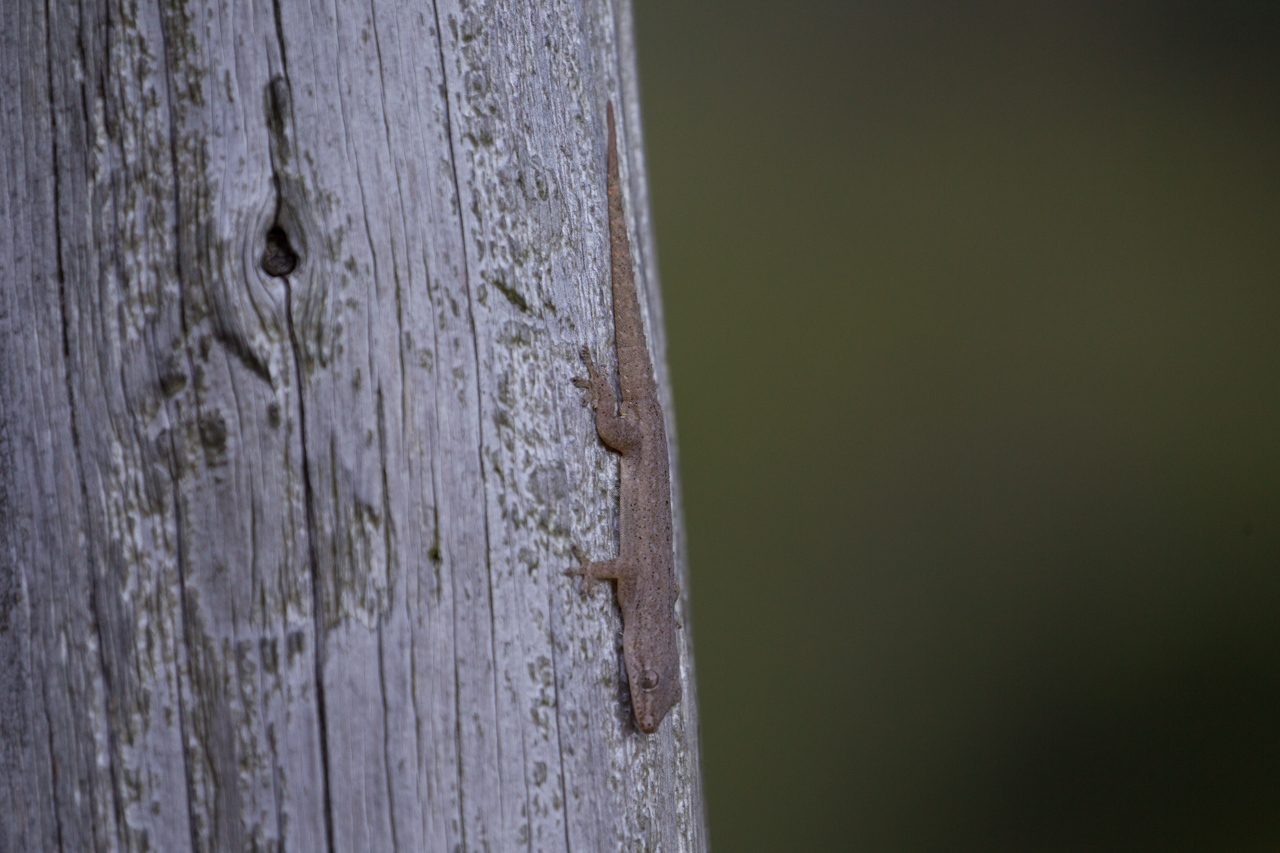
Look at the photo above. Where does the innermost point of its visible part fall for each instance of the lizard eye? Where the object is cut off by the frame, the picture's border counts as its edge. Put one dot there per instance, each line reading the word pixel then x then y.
pixel 649 680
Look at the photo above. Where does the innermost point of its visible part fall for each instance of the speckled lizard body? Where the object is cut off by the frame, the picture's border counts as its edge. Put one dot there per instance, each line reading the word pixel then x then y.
pixel 645 566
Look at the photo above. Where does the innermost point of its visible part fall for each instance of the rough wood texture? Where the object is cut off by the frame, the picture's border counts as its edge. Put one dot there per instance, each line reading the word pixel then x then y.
pixel 281 556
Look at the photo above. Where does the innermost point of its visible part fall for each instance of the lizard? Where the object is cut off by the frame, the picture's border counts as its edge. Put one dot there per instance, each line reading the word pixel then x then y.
pixel 644 569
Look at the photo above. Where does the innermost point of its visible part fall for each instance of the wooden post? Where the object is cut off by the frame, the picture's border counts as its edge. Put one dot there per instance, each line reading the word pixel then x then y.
pixel 290 461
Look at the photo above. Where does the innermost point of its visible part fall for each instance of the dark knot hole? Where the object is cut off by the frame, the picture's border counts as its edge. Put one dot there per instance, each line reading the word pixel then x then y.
pixel 278 258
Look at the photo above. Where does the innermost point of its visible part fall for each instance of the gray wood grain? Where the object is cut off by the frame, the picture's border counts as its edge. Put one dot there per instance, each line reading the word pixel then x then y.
pixel 281 556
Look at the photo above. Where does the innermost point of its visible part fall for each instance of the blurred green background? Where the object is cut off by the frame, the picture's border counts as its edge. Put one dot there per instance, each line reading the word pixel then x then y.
pixel 974 322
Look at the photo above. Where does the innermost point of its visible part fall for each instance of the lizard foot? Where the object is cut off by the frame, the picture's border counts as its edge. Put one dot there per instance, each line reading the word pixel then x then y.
pixel 586 580
pixel 591 382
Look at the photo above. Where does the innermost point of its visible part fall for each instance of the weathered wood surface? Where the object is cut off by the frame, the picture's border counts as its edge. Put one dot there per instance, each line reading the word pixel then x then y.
pixel 281 557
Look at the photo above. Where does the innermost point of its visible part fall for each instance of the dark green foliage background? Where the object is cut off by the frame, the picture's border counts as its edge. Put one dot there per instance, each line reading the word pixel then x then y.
pixel 974 318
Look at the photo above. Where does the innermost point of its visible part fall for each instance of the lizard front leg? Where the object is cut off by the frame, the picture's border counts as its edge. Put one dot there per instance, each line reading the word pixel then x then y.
pixel 615 431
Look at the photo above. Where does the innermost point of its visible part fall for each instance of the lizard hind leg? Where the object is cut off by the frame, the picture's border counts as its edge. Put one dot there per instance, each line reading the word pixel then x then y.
pixel 595 571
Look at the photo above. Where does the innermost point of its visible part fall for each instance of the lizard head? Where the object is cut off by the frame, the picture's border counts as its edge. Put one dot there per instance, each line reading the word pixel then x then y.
pixel 655 687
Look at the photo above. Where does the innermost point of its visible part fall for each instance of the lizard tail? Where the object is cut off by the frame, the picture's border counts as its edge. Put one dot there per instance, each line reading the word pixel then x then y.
pixel 635 370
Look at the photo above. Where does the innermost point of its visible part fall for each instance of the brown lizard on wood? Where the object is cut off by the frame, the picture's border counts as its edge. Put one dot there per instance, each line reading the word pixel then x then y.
pixel 645 566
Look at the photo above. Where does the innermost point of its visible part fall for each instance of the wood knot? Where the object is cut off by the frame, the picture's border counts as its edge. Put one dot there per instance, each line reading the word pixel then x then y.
pixel 278 257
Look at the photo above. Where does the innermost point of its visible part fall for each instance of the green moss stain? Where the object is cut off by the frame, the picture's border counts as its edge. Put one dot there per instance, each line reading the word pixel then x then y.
pixel 511 294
